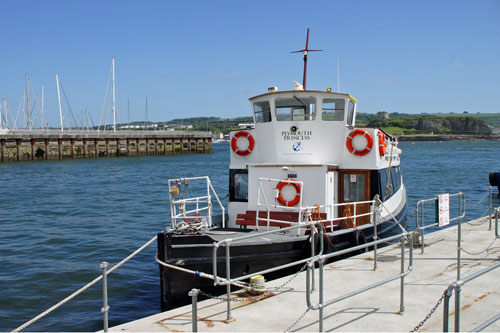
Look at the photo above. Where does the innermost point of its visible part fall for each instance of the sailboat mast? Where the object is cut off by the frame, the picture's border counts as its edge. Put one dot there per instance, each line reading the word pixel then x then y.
pixel 43 110
pixel 113 91
pixel 6 114
pixel 59 101
pixel 28 101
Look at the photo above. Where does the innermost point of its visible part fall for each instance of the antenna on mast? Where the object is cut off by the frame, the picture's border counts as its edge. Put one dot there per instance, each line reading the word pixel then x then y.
pixel 304 52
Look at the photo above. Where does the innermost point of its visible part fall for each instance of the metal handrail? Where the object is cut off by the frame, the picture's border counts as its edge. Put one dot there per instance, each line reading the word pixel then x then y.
pixel 420 227
pixel 457 285
pixel 311 224
pixel 206 199
pixel 322 259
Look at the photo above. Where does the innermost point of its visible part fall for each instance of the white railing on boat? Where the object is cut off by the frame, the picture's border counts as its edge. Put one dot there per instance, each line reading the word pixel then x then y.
pixel 264 205
pixel 189 209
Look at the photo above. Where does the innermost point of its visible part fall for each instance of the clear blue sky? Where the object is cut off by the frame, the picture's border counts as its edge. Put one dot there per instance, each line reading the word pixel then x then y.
pixel 206 58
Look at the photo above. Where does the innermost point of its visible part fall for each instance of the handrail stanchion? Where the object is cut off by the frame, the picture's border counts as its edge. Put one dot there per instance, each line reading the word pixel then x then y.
pixel 228 278
pixel 423 230
pixel 376 211
pixel 313 253
pixel 497 210
pixel 321 283
pixel 105 306
pixel 491 206
pixel 194 308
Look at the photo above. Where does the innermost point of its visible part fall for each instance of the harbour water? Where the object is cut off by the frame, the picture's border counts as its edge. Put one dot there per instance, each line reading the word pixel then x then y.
pixel 60 219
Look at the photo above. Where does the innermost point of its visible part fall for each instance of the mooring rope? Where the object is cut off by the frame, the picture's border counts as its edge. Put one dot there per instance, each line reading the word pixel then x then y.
pixel 197 273
pixel 392 216
pixel 81 290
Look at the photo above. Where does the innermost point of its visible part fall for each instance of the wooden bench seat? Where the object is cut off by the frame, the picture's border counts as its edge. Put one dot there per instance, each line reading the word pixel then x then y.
pixel 250 218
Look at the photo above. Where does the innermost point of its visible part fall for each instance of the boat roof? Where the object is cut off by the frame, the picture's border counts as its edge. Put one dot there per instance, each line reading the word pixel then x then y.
pixel 301 92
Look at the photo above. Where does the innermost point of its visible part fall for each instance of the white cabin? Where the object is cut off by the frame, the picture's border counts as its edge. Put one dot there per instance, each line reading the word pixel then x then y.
pixel 310 137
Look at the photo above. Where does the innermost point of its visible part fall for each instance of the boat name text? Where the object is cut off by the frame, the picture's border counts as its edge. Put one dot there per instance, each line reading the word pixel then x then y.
pixel 298 135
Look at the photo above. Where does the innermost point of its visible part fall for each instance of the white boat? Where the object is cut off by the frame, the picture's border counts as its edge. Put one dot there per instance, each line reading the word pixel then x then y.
pixel 303 160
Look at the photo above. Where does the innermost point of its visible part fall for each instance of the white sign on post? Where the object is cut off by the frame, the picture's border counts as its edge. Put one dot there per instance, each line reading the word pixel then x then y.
pixel 444 209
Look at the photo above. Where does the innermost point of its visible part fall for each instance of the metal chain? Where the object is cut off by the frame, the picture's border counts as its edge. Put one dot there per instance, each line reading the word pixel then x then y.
pixel 255 298
pixel 297 321
pixel 479 252
pixel 477 203
pixel 430 313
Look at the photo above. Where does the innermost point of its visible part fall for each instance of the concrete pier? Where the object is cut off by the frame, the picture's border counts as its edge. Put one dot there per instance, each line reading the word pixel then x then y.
pixel 23 145
pixel 375 310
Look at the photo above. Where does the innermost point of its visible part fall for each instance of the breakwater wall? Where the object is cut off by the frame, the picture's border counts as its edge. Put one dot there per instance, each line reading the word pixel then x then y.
pixel 29 145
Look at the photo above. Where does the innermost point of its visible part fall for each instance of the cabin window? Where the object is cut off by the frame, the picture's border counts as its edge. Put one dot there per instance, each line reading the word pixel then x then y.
pixel 295 108
pixel 396 178
pixel 354 187
pixel 333 109
pixel 350 114
pixel 238 185
pixel 262 112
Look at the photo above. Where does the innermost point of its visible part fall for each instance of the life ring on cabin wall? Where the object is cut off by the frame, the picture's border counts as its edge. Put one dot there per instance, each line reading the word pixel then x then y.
pixel 366 135
pixel 381 143
pixel 234 143
pixel 281 199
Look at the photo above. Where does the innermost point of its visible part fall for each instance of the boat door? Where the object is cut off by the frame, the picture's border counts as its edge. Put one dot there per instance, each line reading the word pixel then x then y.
pixel 354 185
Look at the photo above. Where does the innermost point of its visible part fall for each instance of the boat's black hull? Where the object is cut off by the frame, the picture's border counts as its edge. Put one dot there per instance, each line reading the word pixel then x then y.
pixel 247 259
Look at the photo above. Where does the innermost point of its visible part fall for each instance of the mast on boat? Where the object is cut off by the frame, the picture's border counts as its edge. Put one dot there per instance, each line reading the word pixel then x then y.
pixel 5 113
pixel 28 101
pixel 113 92
pixel 305 52
pixel 59 101
pixel 43 110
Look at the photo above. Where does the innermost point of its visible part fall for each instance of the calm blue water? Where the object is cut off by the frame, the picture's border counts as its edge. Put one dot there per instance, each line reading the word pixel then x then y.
pixel 60 220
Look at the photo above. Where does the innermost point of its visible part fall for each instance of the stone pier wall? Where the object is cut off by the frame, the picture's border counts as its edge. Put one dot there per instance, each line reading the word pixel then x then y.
pixel 54 145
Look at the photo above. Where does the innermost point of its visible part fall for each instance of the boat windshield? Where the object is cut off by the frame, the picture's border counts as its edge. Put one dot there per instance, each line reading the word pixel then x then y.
pixel 333 109
pixel 262 112
pixel 295 108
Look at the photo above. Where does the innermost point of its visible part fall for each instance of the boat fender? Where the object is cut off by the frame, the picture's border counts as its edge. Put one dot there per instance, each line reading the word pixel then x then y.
pixel 366 149
pixel 381 143
pixel 327 245
pixel 360 239
pixel 251 143
pixel 282 200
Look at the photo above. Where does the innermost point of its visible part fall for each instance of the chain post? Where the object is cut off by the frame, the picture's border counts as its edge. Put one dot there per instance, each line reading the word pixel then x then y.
pixel 402 290
pixel 105 307
pixel 194 308
pixel 228 277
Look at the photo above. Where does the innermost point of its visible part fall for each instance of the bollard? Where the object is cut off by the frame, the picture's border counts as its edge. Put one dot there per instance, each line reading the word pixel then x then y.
pixel 105 306
pixel 194 310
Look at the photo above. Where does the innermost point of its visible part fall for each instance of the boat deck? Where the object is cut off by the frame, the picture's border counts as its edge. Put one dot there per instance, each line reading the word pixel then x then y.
pixel 373 310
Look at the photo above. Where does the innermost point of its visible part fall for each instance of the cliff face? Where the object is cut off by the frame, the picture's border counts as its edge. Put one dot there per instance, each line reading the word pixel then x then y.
pixel 454 125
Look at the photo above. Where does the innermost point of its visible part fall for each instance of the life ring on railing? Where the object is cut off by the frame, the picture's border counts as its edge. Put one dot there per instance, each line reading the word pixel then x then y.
pixel 381 143
pixel 281 200
pixel 369 142
pixel 234 145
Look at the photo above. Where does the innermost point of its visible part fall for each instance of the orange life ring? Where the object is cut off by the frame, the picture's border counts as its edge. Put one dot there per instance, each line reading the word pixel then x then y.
pixel 381 143
pixel 251 143
pixel 369 142
pixel 282 200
